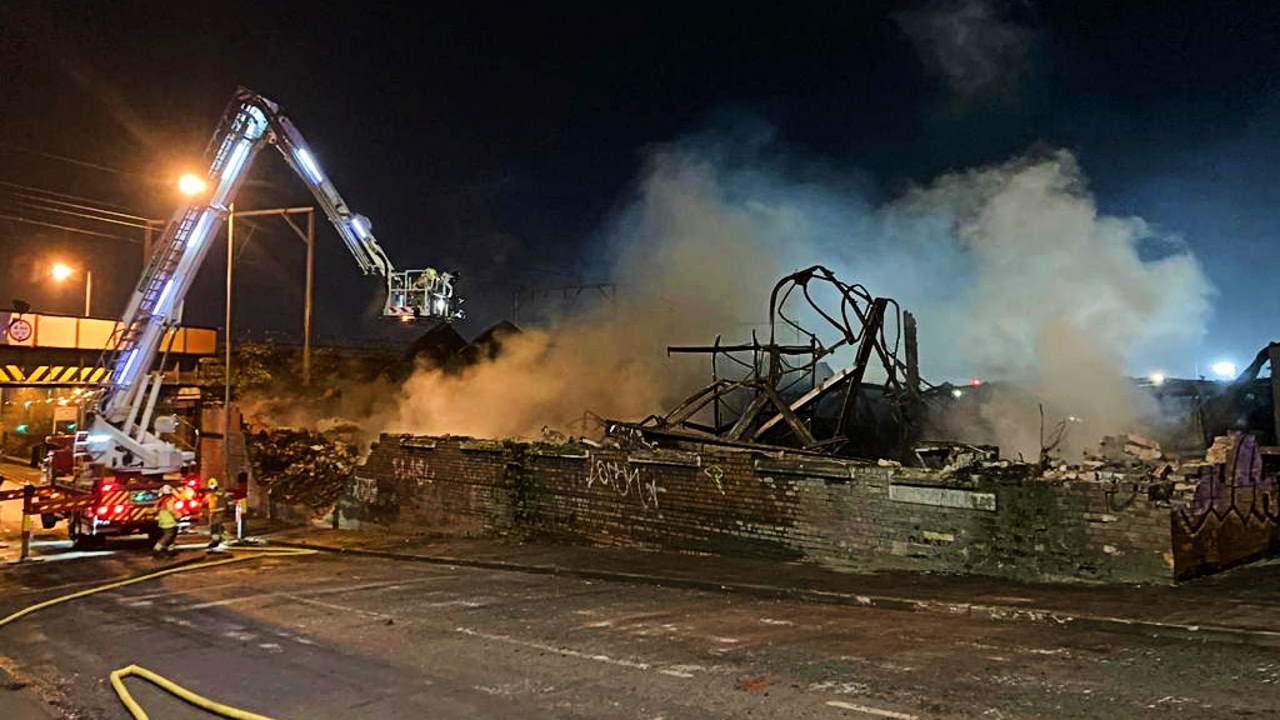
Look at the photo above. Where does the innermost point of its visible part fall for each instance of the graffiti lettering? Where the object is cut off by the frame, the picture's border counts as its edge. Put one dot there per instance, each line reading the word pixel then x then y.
pixel 416 469
pixel 365 490
pixel 623 479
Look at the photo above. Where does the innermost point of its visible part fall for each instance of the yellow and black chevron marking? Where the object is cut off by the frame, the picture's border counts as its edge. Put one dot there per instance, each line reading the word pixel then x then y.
pixel 52 375
pixel 16 494
pixel 62 505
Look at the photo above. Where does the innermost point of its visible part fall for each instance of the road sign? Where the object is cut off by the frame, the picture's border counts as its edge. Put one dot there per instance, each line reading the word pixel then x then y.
pixel 19 330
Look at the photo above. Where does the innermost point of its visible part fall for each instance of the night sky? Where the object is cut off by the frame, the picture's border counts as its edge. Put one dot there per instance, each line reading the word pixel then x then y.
pixel 498 140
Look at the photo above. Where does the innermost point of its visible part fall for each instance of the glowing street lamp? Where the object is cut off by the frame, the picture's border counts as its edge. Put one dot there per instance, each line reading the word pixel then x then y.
pixel 191 185
pixel 61 271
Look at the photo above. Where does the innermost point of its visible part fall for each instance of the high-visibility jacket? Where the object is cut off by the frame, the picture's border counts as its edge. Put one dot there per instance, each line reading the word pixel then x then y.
pixel 216 501
pixel 165 517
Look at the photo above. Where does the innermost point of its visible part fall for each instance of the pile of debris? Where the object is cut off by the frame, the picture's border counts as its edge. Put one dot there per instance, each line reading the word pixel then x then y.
pixel 301 467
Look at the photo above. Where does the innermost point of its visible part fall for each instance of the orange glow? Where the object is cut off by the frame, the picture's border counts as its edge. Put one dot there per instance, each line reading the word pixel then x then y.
pixel 61 271
pixel 190 184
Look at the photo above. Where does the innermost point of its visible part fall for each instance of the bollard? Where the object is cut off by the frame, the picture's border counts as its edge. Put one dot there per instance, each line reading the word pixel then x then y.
pixel 28 494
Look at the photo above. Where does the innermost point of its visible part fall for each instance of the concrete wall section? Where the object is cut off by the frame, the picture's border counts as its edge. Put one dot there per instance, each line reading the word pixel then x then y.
pixel 1003 521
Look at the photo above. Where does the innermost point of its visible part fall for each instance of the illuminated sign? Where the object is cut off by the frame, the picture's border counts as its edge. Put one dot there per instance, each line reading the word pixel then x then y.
pixel 19 330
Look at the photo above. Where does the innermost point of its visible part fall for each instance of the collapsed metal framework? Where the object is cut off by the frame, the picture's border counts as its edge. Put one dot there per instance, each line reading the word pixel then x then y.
pixel 774 397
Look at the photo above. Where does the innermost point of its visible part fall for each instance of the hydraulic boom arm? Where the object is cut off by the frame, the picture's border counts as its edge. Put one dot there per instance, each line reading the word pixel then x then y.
pixel 120 434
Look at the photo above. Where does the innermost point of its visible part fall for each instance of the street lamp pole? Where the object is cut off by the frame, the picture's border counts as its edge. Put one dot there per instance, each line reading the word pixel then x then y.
pixel 226 335
pixel 88 290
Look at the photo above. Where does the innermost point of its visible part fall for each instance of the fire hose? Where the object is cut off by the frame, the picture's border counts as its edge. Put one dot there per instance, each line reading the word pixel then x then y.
pixel 118 676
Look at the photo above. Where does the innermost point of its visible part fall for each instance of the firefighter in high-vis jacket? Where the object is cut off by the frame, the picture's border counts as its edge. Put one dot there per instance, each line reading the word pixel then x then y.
pixel 215 501
pixel 167 519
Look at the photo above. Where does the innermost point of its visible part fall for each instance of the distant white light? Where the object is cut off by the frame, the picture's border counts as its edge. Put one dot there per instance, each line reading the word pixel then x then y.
pixel 1156 378
pixel 1224 369
pixel 957 393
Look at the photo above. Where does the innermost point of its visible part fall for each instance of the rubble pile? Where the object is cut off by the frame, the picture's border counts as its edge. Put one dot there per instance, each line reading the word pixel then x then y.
pixel 300 466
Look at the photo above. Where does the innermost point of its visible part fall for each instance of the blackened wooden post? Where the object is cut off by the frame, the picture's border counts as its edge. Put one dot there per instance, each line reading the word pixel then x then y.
pixel 913 358
pixel 1273 355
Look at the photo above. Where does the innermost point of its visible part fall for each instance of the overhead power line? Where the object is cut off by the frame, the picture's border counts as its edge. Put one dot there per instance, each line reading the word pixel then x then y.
pixel 65 159
pixel 72 213
pixel 68 196
pixel 68 228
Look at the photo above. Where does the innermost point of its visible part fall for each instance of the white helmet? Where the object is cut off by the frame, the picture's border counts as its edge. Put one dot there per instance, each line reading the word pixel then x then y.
pixel 166 489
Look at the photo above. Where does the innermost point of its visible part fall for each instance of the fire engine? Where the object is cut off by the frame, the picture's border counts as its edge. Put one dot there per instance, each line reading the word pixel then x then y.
pixel 127 451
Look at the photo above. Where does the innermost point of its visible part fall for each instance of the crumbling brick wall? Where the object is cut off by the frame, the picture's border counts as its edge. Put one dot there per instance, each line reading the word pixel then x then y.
pixel 1004 521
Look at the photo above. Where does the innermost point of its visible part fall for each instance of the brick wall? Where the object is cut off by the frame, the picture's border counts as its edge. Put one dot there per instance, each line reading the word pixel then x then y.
pixel 997 521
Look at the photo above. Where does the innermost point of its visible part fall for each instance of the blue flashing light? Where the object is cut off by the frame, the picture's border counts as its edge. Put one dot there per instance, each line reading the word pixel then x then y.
pixel 236 161
pixel 201 230
pixel 309 165
pixel 23 428
pixel 164 296
pixel 126 375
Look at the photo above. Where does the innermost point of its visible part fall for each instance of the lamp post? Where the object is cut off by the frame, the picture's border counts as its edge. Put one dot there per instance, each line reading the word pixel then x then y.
pixel 60 271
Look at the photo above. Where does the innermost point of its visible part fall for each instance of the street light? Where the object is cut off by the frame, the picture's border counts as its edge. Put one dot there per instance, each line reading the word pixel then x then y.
pixel 191 184
pixel 60 271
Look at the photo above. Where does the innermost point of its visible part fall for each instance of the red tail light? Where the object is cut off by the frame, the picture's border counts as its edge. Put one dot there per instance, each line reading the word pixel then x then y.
pixel 103 510
pixel 179 504
pixel 193 482
pixel 108 486
pixel 117 510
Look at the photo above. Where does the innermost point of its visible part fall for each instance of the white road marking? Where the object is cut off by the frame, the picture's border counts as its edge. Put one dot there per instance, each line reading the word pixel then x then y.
pixel 321 591
pixel 871 710
pixel 339 608
pixel 568 652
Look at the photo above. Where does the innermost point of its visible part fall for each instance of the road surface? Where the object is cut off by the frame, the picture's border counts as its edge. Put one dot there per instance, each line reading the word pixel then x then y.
pixel 340 637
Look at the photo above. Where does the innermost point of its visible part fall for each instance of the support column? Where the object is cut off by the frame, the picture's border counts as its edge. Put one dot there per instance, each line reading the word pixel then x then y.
pixel 306 311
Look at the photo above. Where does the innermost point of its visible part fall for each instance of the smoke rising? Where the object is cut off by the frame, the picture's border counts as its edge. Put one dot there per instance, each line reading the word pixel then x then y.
pixel 691 263
pixel 972 44
pixel 1012 271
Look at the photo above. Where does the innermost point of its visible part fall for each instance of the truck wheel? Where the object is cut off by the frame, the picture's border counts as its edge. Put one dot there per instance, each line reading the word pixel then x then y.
pixel 79 539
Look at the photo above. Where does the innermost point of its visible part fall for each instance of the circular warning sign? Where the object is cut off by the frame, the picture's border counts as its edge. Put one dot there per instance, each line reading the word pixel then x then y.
pixel 19 330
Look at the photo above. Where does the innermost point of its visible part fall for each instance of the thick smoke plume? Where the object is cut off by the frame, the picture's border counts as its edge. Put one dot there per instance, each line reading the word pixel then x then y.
pixel 1013 274
pixel 691 263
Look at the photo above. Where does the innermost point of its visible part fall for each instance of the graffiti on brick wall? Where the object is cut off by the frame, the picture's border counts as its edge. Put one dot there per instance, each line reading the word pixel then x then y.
pixel 716 474
pixel 1237 487
pixel 625 480
pixel 413 469
pixel 365 490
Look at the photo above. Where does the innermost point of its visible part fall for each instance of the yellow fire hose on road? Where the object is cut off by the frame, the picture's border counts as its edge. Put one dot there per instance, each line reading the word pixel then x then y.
pixel 118 676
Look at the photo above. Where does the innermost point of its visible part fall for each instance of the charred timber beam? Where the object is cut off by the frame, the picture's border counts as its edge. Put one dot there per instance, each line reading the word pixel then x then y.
pixel 651 433
pixel 1273 355
pixel 913 357
pixel 782 349
pixel 871 330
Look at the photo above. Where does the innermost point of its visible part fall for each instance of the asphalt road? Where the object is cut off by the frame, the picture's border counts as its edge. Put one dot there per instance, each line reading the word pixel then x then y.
pixel 341 637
